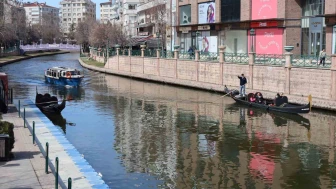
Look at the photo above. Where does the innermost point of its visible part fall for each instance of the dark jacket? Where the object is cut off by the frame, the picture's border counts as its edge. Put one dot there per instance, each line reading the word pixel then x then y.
pixel 243 80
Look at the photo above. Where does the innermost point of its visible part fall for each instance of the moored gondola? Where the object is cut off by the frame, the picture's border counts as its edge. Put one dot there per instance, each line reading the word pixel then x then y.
pixel 279 104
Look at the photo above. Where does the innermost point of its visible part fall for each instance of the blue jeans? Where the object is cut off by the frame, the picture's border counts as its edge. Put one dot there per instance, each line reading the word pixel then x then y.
pixel 242 90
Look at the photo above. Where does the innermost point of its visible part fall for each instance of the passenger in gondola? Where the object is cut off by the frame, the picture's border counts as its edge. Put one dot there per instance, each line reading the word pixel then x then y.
pixel 252 98
pixel 259 98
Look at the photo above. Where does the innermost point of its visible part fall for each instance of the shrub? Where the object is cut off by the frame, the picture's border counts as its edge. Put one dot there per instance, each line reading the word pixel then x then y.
pixel 8 128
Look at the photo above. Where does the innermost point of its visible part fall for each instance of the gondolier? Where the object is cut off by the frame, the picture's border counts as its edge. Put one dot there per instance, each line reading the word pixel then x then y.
pixel 243 82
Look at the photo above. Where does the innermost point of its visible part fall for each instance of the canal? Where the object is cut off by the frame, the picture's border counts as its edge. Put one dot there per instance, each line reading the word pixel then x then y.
pixel 147 135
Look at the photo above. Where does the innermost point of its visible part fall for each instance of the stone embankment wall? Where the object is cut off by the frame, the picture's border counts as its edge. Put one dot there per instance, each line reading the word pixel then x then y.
pixel 295 82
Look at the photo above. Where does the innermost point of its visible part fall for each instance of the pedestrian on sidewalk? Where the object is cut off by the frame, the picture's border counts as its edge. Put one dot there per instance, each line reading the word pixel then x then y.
pixel 323 55
pixel 243 82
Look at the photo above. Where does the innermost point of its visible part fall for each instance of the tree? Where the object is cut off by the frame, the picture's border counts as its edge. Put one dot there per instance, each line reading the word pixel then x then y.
pixel 83 31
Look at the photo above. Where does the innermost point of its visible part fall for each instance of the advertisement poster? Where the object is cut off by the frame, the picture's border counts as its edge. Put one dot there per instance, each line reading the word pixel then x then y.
pixel 207 43
pixel 334 40
pixel 264 9
pixel 206 13
pixel 185 15
pixel 268 41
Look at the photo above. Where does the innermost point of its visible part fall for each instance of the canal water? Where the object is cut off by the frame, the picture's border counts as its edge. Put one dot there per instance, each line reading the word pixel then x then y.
pixel 147 135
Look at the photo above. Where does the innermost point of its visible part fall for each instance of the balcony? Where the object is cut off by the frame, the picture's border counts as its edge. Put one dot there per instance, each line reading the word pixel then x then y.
pixel 130 12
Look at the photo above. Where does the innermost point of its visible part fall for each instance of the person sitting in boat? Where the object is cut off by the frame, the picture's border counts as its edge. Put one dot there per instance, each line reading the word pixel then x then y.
pixel 259 98
pixel 252 99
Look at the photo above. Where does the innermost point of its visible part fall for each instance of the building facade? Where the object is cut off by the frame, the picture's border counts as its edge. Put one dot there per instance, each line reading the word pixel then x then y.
pixel 308 25
pixel 75 11
pixel 108 12
pixel 127 10
pixel 35 12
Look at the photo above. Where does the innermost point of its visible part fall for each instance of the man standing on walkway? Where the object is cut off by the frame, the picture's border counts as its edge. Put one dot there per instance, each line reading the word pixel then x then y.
pixel 243 81
pixel 323 55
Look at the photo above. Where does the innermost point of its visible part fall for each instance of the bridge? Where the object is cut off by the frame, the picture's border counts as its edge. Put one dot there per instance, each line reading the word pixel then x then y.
pixel 38 47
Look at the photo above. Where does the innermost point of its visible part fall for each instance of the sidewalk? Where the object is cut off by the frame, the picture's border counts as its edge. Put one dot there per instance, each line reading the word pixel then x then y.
pixel 26 170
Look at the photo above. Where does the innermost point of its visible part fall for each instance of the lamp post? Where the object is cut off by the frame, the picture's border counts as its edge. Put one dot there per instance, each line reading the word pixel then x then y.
pixel 197 34
pixel 252 34
pixel 158 36
pixel 130 44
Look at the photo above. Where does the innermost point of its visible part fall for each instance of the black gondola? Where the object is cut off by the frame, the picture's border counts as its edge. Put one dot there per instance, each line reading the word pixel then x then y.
pixel 49 104
pixel 278 105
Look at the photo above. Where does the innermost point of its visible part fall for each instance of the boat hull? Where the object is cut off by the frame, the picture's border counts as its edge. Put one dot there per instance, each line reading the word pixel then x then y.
pixel 63 81
pixel 293 109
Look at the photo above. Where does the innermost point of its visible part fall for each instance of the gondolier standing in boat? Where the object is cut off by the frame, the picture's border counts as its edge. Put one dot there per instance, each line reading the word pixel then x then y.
pixel 243 82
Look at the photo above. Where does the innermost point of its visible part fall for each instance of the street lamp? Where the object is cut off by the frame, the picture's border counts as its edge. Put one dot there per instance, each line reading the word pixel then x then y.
pixel 252 34
pixel 158 36
pixel 197 34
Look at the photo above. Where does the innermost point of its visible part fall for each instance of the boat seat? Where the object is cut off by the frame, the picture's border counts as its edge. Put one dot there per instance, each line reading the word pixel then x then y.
pixel 281 100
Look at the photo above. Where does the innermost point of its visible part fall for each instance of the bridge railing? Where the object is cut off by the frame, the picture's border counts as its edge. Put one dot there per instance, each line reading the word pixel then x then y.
pixel 50 47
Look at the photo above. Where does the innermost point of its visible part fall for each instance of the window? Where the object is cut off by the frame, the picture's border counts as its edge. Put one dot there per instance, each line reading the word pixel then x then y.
pixel 131 7
pixel 313 7
pixel 74 14
pixel 78 9
pixel 74 10
pixel 230 10
pixel 64 5
pixel 69 14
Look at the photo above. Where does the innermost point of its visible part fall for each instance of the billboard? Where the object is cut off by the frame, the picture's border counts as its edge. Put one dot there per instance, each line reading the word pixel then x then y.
pixel 185 15
pixel 207 43
pixel 206 13
pixel 264 9
pixel 268 41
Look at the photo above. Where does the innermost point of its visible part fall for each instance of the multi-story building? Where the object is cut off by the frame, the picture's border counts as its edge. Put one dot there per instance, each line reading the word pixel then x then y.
pixel 308 25
pixel 127 10
pixel 36 11
pixel 108 13
pixel 75 11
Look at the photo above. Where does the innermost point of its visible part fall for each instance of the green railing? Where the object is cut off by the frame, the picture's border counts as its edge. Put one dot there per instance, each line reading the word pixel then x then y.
pixel 166 54
pixel 240 58
pixel 186 56
pixel 213 57
pixel 136 53
pixel 150 53
pixel 9 50
pixel 270 59
pixel 310 61
pixel 112 53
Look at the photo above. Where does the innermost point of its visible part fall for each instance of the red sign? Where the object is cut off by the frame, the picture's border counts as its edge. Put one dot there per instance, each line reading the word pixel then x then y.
pixel 264 24
pixel 264 9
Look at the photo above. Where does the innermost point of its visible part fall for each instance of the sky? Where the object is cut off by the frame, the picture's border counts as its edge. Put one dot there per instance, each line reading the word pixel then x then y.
pixel 55 3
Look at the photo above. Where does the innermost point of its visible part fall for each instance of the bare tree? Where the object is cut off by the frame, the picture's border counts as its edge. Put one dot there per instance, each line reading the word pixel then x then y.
pixel 103 34
pixel 83 31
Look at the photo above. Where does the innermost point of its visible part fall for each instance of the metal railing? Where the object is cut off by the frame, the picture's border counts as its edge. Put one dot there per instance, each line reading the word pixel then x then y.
pixel 166 54
pixel 310 61
pixel 210 56
pixel 136 53
pixel 150 53
pixel 270 59
pixel 186 56
pixel 240 58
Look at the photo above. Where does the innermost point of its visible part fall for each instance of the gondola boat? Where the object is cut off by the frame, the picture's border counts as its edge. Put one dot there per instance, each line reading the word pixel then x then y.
pixel 49 104
pixel 63 76
pixel 279 105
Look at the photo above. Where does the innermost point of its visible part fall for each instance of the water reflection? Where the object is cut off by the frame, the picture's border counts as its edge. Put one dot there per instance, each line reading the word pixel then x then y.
pixel 206 144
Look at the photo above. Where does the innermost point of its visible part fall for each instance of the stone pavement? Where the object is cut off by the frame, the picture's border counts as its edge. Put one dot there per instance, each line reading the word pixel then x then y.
pixel 26 170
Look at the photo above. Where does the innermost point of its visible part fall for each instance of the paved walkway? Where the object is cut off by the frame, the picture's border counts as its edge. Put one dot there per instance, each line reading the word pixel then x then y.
pixel 26 170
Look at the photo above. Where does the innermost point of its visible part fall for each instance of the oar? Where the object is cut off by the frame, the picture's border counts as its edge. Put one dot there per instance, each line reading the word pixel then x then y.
pixel 47 102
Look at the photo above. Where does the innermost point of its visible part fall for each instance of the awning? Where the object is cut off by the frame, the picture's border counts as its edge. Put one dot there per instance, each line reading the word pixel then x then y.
pixel 138 40
pixel 145 25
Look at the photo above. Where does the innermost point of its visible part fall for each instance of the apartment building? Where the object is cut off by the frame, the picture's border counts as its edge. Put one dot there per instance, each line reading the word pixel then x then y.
pixel 108 13
pixel 308 25
pixel 35 12
pixel 75 11
pixel 127 10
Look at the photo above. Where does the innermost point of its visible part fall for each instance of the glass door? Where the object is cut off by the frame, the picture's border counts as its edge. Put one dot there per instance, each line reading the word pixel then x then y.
pixel 315 41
